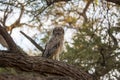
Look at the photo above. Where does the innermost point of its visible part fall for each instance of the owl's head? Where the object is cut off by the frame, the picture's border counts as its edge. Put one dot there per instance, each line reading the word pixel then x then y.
pixel 58 31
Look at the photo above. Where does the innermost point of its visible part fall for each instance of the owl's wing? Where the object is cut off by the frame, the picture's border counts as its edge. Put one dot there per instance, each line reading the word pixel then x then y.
pixel 51 47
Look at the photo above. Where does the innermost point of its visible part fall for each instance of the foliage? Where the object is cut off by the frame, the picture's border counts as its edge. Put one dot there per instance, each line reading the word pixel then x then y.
pixel 93 51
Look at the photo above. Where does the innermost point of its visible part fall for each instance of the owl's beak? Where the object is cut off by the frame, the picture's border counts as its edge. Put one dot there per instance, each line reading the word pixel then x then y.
pixel 58 33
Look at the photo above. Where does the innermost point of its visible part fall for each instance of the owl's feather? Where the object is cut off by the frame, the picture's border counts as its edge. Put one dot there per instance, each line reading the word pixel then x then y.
pixel 51 47
pixel 54 47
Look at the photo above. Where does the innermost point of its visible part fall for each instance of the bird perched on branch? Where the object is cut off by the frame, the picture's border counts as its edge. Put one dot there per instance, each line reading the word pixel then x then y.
pixel 54 46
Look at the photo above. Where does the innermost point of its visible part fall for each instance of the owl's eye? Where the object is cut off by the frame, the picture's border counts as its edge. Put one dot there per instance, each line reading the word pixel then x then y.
pixel 58 31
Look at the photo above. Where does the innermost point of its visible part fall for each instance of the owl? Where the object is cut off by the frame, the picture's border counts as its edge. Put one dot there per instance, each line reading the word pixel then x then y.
pixel 54 47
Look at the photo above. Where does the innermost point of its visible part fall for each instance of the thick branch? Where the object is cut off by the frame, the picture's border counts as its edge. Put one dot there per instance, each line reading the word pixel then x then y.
pixel 3 42
pixel 41 65
pixel 24 77
pixel 114 1
pixel 8 39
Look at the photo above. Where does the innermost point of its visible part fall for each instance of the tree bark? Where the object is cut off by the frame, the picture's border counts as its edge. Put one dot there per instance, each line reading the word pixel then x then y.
pixel 114 1
pixel 41 65
pixel 8 39
pixel 24 77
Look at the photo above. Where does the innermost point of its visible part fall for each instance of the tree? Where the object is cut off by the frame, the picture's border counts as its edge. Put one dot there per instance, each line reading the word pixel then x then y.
pixel 95 47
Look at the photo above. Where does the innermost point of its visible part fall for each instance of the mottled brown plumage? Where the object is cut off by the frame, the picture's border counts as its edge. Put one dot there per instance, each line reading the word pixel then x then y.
pixel 54 46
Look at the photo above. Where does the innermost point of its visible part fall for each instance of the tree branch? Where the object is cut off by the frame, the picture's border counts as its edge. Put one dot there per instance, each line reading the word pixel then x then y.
pixel 3 42
pixel 113 38
pixel 24 77
pixel 41 65
pixel 85 9
pixel 87 6
pixel 50 2
pixel 17 22
pixel 21 24
pixel 114 1
pixel 8 39
pixel 32 41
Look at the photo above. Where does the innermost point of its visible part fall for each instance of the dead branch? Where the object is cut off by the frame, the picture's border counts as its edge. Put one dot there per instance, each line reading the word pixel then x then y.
pixel 32 41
